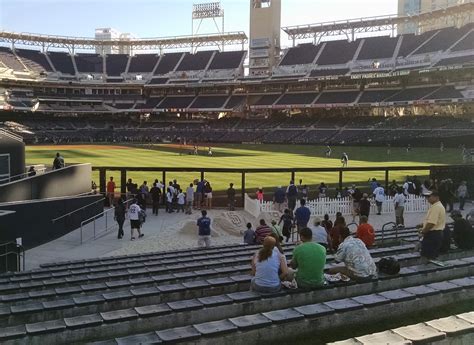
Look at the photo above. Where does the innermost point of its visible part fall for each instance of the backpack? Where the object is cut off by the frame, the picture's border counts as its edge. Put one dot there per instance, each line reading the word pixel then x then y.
pixel 292 191
pixel 287 223
pixel 388 266
pixel 142 216
pixel 411 188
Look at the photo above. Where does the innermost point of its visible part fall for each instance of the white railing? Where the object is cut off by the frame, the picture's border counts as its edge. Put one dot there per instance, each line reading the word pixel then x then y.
pixel 320 207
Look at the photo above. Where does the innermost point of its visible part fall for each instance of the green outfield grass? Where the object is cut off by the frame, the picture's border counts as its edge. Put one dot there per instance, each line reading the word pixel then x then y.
pixel 246 156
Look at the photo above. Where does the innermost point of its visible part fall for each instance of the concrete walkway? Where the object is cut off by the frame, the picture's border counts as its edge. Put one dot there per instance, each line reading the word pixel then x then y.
pixel 163 232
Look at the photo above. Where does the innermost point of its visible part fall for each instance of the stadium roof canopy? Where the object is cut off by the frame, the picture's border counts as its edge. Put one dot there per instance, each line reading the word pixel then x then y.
pixel 351 27
pixel 164 43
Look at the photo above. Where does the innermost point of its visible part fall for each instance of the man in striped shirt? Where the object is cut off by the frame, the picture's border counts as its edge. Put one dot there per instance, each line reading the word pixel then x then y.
pixel 262 231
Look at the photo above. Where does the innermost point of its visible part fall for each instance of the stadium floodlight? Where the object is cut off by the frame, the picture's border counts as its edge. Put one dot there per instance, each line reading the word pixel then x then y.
pixel 207 10
pixel 210 10
pixel 139 77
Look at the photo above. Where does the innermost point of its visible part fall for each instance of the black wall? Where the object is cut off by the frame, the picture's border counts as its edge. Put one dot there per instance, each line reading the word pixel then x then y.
pixel 72 180
pixel 33 219
pixel 16 149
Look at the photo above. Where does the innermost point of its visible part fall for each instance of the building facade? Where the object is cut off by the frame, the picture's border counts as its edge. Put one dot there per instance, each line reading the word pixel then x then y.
pixel 264 47
pixel 412 7
pixel 109 34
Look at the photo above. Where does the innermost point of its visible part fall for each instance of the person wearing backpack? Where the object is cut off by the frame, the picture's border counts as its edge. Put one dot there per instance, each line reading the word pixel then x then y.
pixel 291 195
pixel 408 187
pixel 287 220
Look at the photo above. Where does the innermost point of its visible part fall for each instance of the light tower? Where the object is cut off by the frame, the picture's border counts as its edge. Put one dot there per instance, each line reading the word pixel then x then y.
pixel 264 47
pixel 203 11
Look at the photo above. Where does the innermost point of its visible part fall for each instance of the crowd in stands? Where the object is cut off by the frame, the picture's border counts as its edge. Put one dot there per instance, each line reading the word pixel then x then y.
pixel 424 130
pixel 272 271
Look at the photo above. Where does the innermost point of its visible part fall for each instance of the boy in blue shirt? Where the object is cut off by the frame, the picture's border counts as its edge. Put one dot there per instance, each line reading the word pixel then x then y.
pixel 204 224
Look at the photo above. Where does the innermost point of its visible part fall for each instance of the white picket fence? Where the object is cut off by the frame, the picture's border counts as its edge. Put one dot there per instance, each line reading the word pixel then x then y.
pixel 320 207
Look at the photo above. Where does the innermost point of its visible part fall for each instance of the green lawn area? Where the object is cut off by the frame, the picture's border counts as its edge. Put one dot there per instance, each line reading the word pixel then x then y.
pixel 247 156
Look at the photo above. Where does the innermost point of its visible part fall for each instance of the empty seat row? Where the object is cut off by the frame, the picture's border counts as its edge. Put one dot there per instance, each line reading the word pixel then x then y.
pixel 116 64
pixel 318 319
pixel 97 298
pixel 209 102
pixel 210 308
pixel 455 329
pixel 374 48
pixel 379 47
pixel 17 288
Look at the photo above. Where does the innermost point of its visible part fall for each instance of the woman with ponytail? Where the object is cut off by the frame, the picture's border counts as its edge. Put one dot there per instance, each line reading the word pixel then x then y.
pixel 268 268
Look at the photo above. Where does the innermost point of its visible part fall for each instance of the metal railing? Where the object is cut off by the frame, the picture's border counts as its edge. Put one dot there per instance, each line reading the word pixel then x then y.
pixel 19 176
pixel 19 252
pixel 109 224
pixel 77 210
pixel 393 227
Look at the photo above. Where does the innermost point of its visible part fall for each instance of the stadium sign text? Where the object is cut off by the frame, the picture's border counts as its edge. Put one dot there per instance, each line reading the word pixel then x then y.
pixel 379 75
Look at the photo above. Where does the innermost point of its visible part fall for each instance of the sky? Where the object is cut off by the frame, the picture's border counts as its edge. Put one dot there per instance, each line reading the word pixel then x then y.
pixel 161 18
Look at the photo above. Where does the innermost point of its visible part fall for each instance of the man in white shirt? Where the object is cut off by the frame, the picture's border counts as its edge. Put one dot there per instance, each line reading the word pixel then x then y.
pixel 171 188
pixel 379 194
pixel 358 264
pixel 181 196
pixel 408 187
pixel 405 188
pixel 169 200
pixel 320 235
pixel 134 216
pixel 399 203
pixel 345 160
pixel 159 184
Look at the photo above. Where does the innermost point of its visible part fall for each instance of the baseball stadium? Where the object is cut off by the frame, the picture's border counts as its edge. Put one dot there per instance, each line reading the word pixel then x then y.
pixel 302 184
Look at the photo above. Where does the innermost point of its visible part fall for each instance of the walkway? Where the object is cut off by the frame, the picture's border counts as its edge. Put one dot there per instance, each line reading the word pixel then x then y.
pixel 163 232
